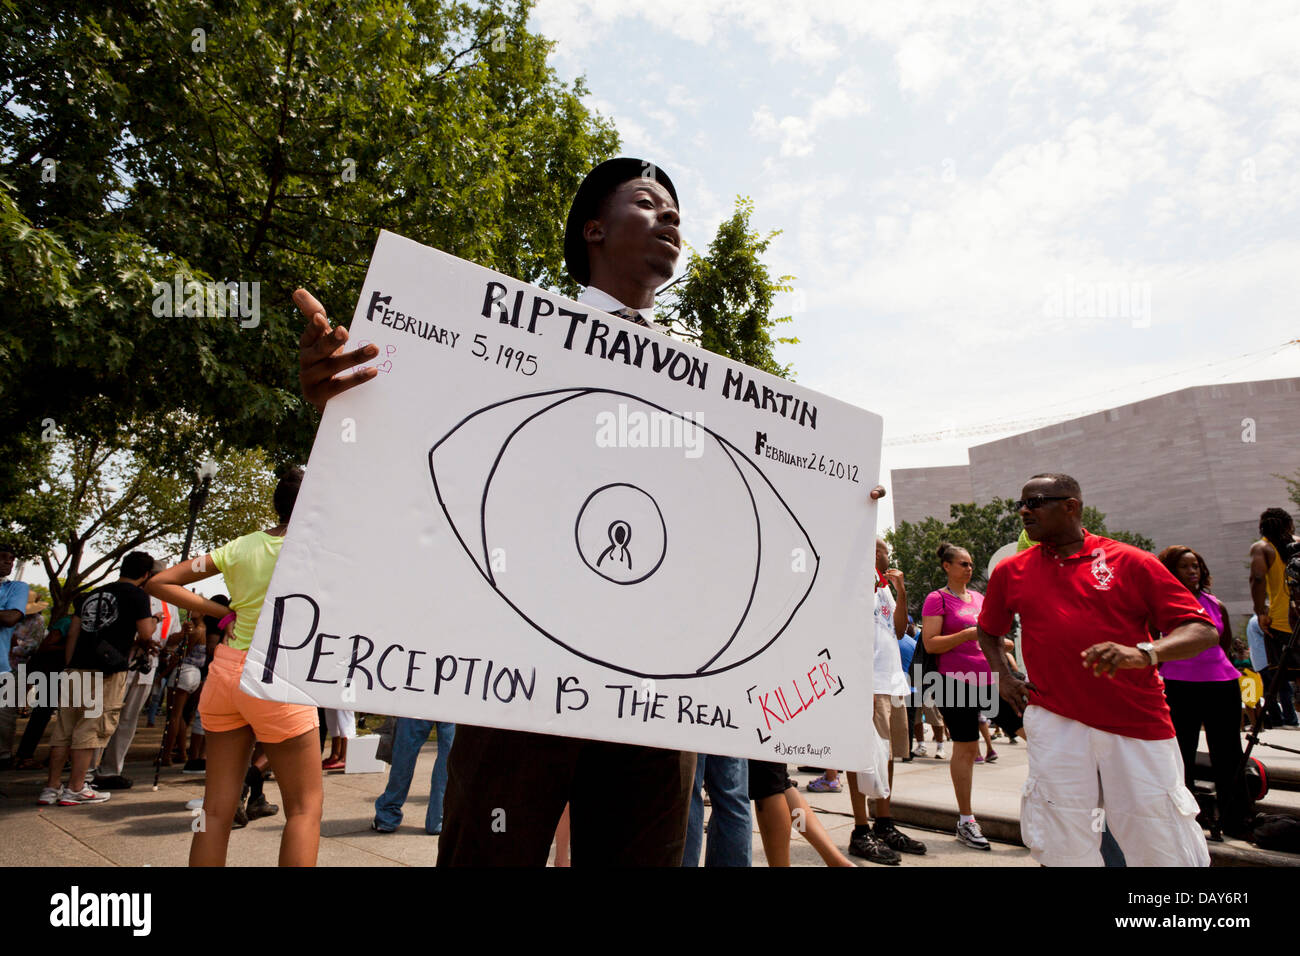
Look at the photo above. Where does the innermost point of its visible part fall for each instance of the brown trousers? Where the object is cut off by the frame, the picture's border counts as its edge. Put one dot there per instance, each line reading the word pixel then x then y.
pixel 506 790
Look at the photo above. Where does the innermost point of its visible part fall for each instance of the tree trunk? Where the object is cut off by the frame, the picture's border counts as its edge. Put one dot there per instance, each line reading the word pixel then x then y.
pixel 61 595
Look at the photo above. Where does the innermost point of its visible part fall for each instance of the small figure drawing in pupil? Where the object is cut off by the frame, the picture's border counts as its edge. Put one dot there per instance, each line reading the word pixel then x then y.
pixel 620 533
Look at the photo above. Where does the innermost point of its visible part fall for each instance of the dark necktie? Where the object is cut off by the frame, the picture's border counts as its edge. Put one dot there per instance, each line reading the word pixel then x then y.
pixel 632 315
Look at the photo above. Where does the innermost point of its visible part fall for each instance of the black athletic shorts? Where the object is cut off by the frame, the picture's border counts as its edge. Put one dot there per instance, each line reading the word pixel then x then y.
pixel 961 711
pixel 767 779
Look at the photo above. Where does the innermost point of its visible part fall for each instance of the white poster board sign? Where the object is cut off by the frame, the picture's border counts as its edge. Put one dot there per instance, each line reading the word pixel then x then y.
pixel 542 517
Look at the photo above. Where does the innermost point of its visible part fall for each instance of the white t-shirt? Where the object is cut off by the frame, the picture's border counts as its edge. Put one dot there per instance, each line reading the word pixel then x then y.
pixel 887 658
pixel 166 627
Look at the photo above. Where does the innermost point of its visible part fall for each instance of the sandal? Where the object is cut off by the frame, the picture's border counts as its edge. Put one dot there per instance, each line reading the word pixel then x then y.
pixel 332 765
pixel 992 756
pixel 822 785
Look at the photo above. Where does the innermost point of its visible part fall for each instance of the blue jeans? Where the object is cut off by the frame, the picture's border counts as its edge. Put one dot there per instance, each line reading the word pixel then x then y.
pixel 1283 711
pixel 156 698
pixel 731 832
pixel 409 736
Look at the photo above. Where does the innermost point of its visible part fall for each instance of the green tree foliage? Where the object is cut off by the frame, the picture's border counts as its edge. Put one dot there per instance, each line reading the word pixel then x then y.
pixel 1292 490
pixel 981 530
pixel 101 500
pixel 724 300
pixel 266 142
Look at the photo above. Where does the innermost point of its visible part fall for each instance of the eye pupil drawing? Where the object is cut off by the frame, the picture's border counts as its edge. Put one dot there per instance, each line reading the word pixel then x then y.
pixel 603 532
pixel 507 475
pixel 620 533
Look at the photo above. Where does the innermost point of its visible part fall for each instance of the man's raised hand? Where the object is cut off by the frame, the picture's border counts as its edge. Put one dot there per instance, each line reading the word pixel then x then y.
pixel 322 363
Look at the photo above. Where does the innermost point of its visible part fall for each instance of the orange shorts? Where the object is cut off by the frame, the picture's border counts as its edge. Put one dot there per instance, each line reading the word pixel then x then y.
pixel 223 706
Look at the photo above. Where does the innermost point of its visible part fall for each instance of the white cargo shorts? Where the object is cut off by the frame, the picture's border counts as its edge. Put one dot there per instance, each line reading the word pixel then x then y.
pixel 1082 780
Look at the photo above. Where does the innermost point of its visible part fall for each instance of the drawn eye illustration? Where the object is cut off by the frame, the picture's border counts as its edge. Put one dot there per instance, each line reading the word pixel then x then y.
pixel 667 558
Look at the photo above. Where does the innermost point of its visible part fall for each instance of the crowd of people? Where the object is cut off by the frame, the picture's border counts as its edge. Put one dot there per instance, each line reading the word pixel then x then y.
pixel 1171 670
pixel 123 638
pixel 1099 623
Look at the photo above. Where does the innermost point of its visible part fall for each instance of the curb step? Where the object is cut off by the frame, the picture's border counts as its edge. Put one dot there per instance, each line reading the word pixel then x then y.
pixel 1006 829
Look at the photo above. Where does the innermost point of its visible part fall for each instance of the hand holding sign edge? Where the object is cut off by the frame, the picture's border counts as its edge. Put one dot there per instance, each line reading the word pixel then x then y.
pixel 321 358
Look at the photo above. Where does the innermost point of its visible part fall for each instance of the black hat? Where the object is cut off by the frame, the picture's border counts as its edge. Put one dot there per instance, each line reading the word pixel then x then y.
pixel 600 182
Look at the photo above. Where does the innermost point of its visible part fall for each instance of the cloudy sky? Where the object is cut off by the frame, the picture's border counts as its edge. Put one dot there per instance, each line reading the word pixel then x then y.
pixel 997 213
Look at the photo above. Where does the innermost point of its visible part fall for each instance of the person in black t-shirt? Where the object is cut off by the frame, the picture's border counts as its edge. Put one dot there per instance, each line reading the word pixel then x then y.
pixel 109 615
pixel 108 623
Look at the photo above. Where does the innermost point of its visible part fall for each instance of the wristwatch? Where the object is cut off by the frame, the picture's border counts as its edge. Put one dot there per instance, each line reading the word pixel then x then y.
pixel 1149 649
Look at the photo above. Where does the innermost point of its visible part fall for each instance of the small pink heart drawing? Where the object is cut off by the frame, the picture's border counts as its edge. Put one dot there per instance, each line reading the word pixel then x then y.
pixel 386 366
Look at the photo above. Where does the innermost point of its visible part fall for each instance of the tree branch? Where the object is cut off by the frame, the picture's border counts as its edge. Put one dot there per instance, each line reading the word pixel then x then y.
pixel 125 547
pixel 681 278
pixel 277 155
pixel 476 45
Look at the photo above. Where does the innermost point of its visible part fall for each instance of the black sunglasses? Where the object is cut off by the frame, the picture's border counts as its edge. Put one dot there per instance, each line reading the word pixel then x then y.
pixel 1037 501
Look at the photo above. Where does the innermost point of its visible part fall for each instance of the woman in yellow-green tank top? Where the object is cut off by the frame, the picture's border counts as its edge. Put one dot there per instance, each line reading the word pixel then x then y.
pixel 235 720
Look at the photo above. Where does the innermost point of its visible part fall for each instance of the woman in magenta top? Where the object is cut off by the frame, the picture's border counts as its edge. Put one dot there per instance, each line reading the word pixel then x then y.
pixel 1205 690
pixel 966 689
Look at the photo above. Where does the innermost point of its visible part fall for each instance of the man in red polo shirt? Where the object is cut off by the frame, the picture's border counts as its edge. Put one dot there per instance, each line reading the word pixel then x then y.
pixel 1101 745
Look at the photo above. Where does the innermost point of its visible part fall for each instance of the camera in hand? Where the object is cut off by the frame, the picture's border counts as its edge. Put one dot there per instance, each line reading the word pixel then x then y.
pixel 1292 568
pixel 1279 649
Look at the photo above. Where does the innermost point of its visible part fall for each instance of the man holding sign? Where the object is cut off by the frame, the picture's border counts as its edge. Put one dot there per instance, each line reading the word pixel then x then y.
pixel 507 789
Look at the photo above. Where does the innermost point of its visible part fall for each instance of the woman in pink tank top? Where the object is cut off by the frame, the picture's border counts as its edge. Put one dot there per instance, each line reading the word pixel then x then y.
pixel 1204 691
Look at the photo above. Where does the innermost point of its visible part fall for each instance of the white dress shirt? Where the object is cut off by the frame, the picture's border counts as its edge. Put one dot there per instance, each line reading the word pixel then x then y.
pixel 599 299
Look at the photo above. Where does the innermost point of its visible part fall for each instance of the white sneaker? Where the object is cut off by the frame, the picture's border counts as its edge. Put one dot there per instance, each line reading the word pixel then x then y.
pixel 938 752
pixel 87 794
pixel 49 796
pixel 970 834
pixel 920 750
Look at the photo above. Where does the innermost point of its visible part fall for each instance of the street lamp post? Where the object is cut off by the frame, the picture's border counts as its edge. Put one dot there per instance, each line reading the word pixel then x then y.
pixel 203 476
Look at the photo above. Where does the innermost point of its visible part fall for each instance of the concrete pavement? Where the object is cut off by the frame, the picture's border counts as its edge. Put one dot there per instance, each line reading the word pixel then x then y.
pixel 923 795
pixel 138 827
